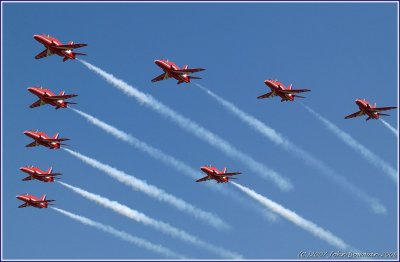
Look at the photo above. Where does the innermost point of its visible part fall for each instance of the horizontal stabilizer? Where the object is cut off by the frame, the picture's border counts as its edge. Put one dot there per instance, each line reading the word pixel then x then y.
pixel 79 54
pixel 378 109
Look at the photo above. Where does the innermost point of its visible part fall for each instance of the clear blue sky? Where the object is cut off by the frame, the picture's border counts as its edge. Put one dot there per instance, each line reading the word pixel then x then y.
pixel 339 51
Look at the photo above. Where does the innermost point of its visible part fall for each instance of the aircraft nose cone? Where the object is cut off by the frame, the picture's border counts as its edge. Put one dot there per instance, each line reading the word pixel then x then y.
pixel 31 89
pixel 27 133
pixel 36 37
pixel 23 169
pixel 267 82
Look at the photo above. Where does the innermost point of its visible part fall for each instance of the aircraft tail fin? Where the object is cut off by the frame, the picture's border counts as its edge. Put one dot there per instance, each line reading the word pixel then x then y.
pixel 62 93
pixel 290 87
pixel 49 170
pixel 224 170
pixel 43 198
pixel 70 43
pixel 185 67
pixel 374 105
pixel 55 136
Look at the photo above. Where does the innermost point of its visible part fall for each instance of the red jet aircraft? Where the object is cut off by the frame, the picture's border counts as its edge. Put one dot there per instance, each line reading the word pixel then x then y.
pixel 38 174
pixel 278 89
pixel 47 97
pixel 373 112
pixel 172 70
pixel 44 140
pixel 33 201
pixel 219 176
pixel 53 46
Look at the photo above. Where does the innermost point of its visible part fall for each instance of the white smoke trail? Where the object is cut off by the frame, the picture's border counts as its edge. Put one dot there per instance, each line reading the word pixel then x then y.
pixel 122 235
pixel 152 191
pixel 390 127
pixel 351 142
pixel 169 160
pixel 148 221
pixel 296 219
pixel 309 159
pixel 194 128
pixel 133 141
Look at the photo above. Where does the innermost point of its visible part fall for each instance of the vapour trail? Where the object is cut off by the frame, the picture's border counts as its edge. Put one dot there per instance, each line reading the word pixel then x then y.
pixel 390 127
pixel 152 191
pixel 296 219
pixel 194 128
pixel 122 235
pixel 298 152
pixel 170 161
pixel 351 142
pixel 148 221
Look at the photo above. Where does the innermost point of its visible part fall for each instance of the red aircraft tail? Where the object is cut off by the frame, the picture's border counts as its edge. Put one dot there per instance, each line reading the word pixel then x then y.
pixel 55 136
pixel 73 56
pixel 66 104
pixel 224 170
pixel 49 170
pixel 290 87
pixel 62 93
pixel 193 77
pixel 185 67
pixel 73 103
pixel 43 198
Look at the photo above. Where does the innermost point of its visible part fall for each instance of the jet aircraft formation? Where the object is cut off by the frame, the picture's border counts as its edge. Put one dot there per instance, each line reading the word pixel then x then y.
pixel 170 70
pixel 52 46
